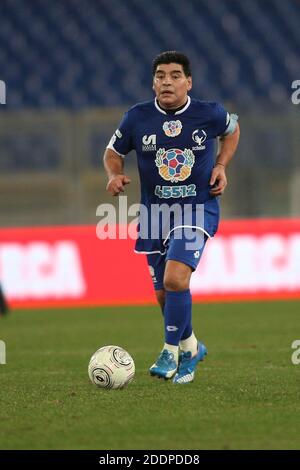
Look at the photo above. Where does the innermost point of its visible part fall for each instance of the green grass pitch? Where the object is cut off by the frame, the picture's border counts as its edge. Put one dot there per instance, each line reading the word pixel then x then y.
pixel 245 394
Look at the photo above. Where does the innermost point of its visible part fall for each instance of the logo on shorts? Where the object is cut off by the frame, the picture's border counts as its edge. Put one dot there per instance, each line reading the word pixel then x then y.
pixel 172 328
pixel 174 165
pixel 196 254
pixel 172 128
pixel 152 273
pixel 199 136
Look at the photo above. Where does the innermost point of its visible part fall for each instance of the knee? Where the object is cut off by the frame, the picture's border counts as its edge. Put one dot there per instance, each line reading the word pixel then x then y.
pixel 177 276
pixel 175 283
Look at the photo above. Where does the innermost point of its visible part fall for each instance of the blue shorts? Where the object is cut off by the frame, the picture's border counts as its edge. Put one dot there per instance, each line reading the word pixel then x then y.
pixel 206 217
pixel 184 245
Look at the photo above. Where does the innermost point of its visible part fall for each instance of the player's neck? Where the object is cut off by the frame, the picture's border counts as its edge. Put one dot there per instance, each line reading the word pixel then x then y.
pixel 173 110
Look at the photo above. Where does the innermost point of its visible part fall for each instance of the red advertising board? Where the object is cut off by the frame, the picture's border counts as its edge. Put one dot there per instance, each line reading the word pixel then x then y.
pixel 69 265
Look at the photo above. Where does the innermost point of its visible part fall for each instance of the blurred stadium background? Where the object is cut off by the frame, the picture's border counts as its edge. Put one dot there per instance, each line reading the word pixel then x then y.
pixel 71 67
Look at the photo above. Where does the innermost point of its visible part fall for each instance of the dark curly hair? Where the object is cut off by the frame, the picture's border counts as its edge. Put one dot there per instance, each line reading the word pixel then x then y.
pixel 170 57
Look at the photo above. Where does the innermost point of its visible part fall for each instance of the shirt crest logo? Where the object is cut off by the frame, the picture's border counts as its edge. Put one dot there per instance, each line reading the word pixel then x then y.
pixel 199 136
pixel 174 165
pixel 172 128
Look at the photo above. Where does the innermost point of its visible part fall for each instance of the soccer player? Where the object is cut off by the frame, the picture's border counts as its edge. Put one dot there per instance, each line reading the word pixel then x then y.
pixel 174 136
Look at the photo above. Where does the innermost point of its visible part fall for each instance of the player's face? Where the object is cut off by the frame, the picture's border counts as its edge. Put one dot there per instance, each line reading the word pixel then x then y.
pixel 171 85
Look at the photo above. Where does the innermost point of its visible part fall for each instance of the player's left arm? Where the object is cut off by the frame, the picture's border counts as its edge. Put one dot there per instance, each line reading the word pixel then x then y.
pixel 227 147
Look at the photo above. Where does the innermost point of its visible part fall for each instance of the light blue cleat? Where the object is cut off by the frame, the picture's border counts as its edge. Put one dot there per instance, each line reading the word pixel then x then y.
pixel 165 366
pixel 188 364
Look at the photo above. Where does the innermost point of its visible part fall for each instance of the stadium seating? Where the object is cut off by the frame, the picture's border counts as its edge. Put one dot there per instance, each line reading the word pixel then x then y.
pixel 85 61
pixel 83 53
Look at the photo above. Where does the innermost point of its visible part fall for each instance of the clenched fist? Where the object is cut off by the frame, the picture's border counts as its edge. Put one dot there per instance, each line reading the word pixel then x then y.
pixel 116 184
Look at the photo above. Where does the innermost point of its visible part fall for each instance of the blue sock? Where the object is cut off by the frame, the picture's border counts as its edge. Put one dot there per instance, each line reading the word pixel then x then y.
pixel 177 313
pixel 188 326
pixel 188 329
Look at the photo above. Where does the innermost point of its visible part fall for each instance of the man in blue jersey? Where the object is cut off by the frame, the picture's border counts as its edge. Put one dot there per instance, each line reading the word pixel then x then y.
pixel 174 136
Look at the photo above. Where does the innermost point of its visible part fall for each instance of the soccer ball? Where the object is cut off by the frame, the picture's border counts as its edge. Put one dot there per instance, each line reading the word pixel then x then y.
pixel 111 367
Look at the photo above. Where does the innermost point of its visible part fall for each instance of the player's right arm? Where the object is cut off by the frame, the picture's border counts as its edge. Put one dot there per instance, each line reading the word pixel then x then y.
pixel 114 167
pixel 119 145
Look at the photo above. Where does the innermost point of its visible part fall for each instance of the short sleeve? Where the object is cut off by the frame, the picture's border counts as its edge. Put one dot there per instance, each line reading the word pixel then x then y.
pixel 219 120
pixel 122 141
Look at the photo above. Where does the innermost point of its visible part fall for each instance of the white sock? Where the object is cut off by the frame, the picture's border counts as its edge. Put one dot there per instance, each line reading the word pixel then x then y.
pixel 173 349
pixel 189 344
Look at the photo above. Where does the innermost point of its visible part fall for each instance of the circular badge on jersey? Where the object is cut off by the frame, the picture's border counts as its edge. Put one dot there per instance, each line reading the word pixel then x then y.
pixel 172 128
pixel 174 165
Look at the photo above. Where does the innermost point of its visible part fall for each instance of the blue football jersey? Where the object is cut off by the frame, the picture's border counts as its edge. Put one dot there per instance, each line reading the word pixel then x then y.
pixel 175 155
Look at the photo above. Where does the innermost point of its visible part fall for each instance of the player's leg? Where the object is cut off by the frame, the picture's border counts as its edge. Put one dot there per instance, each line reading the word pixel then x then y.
pixel 175 299
pixel 161 298
pixel 156 265
pixel 176 302
pixel 166 364
pixel 182 252
pixel 171 282
pixel 188 341
pixel 177 309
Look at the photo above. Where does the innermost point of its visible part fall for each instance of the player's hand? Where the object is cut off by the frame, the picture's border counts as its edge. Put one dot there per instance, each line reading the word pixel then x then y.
pixel 116 184
pixel 218 181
